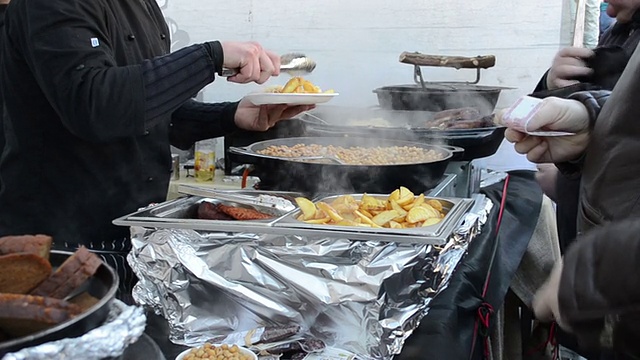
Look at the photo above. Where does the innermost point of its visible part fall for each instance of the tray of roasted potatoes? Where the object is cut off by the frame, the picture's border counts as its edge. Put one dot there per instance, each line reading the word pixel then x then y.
pixel 401 213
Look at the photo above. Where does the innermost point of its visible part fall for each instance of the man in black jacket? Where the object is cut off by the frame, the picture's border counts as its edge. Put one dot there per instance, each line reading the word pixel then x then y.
pixel 93 101
pixel 3 8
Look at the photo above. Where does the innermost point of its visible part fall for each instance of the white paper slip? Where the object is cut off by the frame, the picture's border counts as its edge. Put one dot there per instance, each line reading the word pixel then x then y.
pixel 520 114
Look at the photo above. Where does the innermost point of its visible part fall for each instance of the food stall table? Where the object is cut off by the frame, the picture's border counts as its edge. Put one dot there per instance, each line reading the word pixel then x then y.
pixel 451 329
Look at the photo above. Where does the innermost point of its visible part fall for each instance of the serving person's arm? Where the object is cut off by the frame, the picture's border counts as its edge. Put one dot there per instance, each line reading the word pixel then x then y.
pixel 96 99
pixel 195 121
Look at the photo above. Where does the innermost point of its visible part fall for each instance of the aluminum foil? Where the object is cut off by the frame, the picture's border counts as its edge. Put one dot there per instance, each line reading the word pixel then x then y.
pixel 365 297
pixel 124 325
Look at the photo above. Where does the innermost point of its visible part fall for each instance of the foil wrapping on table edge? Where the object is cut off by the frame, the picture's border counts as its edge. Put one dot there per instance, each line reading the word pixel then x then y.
pixel 123 327
pixel 365 297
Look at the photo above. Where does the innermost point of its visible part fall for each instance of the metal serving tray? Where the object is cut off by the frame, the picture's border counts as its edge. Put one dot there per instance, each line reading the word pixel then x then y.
pixel 180 214
pixel 454 208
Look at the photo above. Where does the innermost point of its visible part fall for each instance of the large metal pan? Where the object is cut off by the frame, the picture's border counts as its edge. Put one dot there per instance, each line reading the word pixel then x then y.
pixel 279 173
pixel 438 96
pixel 102 285
pixel 335 121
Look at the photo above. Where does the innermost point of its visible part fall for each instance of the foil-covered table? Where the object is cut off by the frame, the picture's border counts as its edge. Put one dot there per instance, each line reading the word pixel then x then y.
pixel 365 297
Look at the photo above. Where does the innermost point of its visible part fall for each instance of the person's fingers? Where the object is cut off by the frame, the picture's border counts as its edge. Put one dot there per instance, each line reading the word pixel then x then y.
pixel 514 136
pixel 541 308
pixel 576 52
pixel 572 71
pixel 275 60
pixel 275 113
pixel 267 67
pixel 528 143
pixel 250 70
pixel 538 153
pixel 292 111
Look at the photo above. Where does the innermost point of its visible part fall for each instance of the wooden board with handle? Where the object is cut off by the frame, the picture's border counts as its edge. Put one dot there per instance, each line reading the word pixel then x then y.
pixel 458 62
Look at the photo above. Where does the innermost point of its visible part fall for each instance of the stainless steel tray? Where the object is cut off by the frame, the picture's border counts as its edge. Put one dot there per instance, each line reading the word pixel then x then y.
pixel 455 208
pixel 180 214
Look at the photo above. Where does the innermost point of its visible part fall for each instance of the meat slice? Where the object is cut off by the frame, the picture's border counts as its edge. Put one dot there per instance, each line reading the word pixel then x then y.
pixel 70 275
pixel 210 211
pixel 20 273
pixel 243 213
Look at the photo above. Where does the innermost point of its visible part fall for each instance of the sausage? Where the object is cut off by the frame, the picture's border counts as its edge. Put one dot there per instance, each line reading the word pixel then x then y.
pixel 209 211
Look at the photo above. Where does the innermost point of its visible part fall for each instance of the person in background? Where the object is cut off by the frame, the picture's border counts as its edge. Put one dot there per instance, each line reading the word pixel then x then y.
pixel 93 101
pixel 606 21
pixel 593 292
pixel 569 67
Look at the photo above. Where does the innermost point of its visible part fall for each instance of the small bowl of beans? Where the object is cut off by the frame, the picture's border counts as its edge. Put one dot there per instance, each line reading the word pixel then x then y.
pixel 217 352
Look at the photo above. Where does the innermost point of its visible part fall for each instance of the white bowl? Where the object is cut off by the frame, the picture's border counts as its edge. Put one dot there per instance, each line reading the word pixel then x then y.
pixel 244 351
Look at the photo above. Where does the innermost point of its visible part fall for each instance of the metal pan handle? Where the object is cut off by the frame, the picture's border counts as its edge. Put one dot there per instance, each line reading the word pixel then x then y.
pixel 240 151
pixel 457 62
pixel 246 152
pixel 456 151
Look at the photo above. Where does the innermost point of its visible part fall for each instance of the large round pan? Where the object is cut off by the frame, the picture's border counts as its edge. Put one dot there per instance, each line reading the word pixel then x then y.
pixel 279 173
pixel 439 97
pixel 102 285
pixel 400 125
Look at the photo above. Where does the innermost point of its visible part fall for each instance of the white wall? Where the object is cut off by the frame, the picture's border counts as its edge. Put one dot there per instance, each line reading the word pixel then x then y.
pixel 356 43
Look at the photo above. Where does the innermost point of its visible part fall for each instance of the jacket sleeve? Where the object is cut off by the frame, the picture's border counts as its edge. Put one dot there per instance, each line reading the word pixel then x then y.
pixel 68 48
pixel 196 121
pixel 594 101
pixel 599 294
pixel 542 84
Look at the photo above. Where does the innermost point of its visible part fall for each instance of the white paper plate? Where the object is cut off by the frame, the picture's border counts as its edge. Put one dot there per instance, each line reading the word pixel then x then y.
pixel 242 350
pixel 289 99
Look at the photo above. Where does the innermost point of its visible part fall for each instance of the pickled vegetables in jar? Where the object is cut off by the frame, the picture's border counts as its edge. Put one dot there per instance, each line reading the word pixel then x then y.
pixel 205 160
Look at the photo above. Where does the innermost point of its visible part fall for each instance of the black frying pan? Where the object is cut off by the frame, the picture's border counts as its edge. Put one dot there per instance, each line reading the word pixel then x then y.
pixel 279 173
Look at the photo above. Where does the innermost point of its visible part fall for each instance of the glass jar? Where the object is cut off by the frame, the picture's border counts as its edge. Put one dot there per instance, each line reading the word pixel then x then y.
pixel 205 160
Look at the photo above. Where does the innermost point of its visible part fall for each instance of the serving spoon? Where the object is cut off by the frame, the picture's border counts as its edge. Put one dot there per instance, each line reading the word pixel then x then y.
pixel 294 64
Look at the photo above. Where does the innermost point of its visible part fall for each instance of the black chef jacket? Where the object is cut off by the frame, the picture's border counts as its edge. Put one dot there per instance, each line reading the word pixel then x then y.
pixel 3 7
pixel 93 102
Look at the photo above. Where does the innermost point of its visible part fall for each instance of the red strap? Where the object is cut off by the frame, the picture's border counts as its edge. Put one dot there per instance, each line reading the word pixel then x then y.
pixel 486 310
pixel 245 175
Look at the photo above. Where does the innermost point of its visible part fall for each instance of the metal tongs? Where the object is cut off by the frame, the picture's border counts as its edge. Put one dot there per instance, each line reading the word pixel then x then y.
pixel 265 200
pixel 295 64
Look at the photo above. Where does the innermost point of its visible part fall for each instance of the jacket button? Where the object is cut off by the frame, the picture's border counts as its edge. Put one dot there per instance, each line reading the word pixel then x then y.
pixel 80 67
pixel 147 133
pixel 163 36
pixel 131 37
pixel 150 179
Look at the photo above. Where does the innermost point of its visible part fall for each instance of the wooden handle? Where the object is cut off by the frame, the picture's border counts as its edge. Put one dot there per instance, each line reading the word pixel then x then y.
pixel 457 62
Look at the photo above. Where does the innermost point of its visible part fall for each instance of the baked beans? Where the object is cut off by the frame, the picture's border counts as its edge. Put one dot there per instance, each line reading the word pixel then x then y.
pixel 392 155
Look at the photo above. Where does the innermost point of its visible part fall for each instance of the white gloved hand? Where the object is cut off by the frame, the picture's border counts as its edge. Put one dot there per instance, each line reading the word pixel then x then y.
pixel 554 114
pixel 568 64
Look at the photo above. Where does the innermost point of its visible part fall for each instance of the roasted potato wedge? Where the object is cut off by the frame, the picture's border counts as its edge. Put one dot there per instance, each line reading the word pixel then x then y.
pixel 401 210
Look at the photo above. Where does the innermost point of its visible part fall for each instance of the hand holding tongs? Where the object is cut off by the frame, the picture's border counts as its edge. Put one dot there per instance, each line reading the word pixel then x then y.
pixel 295 64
